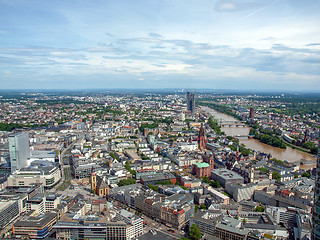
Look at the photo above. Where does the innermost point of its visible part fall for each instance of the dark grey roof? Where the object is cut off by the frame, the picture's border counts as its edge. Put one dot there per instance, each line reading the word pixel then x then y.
pixel 35 221
pixel 157 177
pixel 264 226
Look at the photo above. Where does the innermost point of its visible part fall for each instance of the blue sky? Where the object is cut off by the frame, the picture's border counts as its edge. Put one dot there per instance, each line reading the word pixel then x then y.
pixel 222 44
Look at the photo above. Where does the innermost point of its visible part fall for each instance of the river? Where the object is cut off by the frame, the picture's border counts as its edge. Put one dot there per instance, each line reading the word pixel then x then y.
pixel 289 154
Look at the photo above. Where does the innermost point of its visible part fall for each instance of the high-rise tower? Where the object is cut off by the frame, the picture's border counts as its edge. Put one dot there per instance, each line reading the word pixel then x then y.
pixel 191 105
pixel 251 114
pixel 19 150
pixel 315 234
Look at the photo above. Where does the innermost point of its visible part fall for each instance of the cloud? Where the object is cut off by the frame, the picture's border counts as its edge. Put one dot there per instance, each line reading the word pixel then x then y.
pixel 268 39
pixel 313 60
pixel 155 35
pixel 177 58
pixel 313 44
pixel 232 6
pixel 226 6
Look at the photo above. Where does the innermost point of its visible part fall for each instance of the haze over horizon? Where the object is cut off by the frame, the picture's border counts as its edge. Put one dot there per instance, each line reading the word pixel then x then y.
pixel 239 44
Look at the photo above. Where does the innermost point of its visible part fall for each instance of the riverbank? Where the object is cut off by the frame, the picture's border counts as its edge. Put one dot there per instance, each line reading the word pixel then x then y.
pixel 297 147
pixel 277 138
pixel 289 154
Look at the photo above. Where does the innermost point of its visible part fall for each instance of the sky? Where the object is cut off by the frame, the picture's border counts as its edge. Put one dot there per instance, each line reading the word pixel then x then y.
pixel 187 44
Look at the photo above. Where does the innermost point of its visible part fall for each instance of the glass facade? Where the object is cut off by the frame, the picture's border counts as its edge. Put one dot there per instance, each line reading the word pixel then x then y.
pixel 191 106
pixel 19 150
pixel 315 235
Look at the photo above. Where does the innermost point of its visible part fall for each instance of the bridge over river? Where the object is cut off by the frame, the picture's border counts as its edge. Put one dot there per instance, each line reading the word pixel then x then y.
pixel 232 124
pixel 234 127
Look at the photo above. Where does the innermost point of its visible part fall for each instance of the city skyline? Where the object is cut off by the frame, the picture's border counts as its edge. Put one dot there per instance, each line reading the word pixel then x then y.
pixel 241 45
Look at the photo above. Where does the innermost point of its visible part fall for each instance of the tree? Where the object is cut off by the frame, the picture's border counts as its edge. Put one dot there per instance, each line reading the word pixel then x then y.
pixel 259 209
pixel 215 184
pixel 196 208
pixel 263 169
pixel 153 187
pixel 206 179
pixel 127 166
pixel 276 176
pixel 213 123
pixel 305 174
pixel 195 232
pixel 246 152
pixel 311 146
pixel 113 155
pixel 167 182
pixel 203 206
pixel 125 182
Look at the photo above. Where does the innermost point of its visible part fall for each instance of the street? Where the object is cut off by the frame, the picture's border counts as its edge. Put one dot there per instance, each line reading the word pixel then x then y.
pixel 150 223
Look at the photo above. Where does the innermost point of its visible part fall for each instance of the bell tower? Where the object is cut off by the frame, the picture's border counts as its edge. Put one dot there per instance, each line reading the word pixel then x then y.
pixel 201 138
pixel 93 180
pixel 251 174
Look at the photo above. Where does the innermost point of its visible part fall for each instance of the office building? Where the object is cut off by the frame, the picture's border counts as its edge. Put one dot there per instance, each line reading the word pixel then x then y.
pixel 251 114
pixel 224 176
pixel 116 230
pixel 191 105
pixel 240 192
pixel 160 177
pixel 34 226
pixel 41 203
pixel 316 208
pixel 206 222
pixel 124 226
pixel 39 172
pixel 230 229
pixel 218 196
pixel 19 150
pixel 176 209
pixel 73 226
pixel 9 210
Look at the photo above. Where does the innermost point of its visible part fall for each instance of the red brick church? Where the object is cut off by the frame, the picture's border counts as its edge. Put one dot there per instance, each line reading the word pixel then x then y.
pixel 204 168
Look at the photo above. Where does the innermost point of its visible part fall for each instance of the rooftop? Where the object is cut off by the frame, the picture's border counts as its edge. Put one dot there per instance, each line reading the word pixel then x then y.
pixel 226 174
pixel 202 165
pixel 30 220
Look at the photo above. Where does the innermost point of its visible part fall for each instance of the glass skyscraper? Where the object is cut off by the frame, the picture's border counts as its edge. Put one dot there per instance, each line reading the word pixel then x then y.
pixel 315 234
pixel 191 105
pixel 19 150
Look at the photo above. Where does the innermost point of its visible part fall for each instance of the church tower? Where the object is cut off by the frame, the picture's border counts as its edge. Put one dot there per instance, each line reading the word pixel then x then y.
pixel 251 174
pixel 201 138
pixel 93 180
pixel 208 157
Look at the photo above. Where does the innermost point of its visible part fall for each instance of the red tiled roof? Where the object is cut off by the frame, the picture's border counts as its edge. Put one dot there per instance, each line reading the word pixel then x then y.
pixel 286 192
